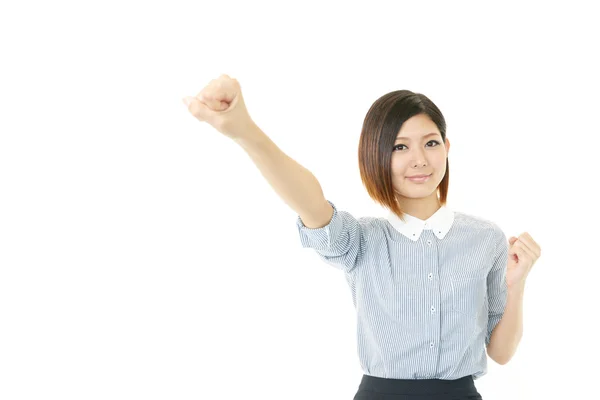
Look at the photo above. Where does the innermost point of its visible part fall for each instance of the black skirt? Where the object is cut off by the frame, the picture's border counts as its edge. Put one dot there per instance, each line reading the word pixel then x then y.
pixel 375 388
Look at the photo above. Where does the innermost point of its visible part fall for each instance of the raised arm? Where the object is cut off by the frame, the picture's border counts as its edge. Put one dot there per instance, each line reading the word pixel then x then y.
pixel 296 185
pixel 222 105
pixel 335 235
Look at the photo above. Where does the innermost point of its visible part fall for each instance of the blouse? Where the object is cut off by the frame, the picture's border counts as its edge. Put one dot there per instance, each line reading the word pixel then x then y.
pixel 427 294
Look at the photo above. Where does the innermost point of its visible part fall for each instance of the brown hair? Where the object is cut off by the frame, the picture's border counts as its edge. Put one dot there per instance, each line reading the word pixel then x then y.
pixel 380 128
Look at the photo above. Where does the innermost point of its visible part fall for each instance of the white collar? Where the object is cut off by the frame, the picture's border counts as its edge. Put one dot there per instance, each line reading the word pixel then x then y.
pixel 440 223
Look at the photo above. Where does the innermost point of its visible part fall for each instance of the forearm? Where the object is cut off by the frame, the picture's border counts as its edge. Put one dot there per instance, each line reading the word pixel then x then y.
pixel 507 334
pixel 296 185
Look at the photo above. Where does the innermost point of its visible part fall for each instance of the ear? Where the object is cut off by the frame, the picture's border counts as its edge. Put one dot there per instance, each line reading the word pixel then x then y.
pixel 447 145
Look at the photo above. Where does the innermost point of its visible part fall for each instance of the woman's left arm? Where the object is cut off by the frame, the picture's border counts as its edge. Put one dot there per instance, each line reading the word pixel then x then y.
pixel 522 254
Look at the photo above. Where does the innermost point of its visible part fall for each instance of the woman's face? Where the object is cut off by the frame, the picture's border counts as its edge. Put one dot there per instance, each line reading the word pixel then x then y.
pixel 418 150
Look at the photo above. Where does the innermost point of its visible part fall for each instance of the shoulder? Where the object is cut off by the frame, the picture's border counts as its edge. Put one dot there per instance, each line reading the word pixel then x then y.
pixel 371 224
pixel 344 218
pixel 479 224
pixel 372 227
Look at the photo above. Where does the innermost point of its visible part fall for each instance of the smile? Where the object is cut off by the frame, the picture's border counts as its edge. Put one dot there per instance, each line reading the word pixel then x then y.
pixel 420 180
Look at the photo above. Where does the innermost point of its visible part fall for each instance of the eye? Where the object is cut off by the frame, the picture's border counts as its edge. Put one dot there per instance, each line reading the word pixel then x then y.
pixel 431 141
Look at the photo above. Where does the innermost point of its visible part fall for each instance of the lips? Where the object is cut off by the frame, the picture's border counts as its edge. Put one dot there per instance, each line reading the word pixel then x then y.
pixel 415 179
pixel 417 176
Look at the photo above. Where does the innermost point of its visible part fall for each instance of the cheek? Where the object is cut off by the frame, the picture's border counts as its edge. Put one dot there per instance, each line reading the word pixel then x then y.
pixel 397 172
pixel 441 163
pixel 396 165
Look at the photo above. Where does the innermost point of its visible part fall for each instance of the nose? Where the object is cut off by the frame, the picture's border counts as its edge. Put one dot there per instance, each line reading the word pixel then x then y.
pixel 418 157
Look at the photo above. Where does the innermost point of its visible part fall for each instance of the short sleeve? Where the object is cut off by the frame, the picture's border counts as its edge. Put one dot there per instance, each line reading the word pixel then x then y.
pixel 497 287
pixel 339 243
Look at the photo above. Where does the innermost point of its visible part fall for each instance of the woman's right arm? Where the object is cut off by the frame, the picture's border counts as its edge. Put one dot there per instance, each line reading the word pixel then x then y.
pixel 296 185
pixel 336 235
pixel 221 104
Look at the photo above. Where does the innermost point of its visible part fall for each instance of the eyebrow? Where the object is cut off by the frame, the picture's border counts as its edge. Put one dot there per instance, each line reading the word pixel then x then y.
pixel 429 134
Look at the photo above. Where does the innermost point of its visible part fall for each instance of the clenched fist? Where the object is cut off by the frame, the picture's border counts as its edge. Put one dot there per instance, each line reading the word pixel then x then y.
pixel 221 105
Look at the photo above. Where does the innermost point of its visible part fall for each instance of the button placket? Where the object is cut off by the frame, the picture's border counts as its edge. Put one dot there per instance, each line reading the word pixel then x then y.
pixel 432 307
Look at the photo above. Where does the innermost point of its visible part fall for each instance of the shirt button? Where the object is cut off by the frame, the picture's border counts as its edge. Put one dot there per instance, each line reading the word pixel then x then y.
pixel 431 344
pixel 432 309
pixel 430 276
pixel 429 242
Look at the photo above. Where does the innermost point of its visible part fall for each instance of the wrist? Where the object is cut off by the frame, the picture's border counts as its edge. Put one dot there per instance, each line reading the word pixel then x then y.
pixel 517 287
pixel 252 135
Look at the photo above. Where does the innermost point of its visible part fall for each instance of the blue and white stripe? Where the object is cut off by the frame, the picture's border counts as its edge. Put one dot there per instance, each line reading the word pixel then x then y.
pixel 427 293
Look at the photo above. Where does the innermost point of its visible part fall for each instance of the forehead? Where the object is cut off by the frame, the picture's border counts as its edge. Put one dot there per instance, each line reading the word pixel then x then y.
pixel 418 127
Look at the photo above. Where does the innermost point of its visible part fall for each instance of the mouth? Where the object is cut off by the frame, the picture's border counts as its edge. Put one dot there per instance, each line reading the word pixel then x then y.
pixel 419 178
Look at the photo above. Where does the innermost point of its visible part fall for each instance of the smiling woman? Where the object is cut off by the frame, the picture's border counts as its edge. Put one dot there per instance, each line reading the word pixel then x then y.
pixel 403 138
pixel 428 283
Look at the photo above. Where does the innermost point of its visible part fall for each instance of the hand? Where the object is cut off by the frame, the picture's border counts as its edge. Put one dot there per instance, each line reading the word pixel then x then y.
pixel 221 104
pixel 523 252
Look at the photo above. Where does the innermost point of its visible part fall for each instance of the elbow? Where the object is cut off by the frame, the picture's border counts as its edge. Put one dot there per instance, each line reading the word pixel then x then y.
pixel 502 358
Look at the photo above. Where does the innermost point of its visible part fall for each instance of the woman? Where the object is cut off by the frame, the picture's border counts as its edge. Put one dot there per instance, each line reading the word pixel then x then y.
pixel 433 288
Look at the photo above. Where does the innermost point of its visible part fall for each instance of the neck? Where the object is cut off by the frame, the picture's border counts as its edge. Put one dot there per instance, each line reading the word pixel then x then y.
pixel 420 208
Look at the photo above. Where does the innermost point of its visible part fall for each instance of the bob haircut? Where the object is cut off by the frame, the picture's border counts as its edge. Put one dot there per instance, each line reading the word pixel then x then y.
pixel 380 128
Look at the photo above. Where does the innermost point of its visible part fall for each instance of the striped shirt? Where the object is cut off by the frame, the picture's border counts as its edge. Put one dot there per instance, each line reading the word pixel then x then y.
pixel 427 293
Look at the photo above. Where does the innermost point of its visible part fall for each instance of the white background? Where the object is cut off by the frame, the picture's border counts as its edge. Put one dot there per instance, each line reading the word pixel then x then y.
pixel 143 255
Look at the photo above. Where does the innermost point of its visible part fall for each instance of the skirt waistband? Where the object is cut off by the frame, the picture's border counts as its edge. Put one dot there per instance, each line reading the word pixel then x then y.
pixel 461 386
